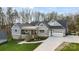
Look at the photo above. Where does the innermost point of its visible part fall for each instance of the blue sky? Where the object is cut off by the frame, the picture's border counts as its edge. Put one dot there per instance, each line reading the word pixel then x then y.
pixel 59 10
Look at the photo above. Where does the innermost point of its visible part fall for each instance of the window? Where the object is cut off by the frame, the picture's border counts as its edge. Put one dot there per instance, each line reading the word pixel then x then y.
pixel 24 32
pixel 15 30
pixel 42 31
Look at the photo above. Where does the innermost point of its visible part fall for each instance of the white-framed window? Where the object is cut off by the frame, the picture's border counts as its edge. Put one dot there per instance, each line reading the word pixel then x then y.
pixel 41 31
pixel 24 32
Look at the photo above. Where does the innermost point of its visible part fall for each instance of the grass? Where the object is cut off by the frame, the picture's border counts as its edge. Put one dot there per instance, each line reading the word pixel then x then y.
pixel 12 45
pixel 71 47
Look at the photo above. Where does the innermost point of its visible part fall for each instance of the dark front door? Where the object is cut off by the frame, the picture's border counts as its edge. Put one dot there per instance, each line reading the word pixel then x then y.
pixel 51 32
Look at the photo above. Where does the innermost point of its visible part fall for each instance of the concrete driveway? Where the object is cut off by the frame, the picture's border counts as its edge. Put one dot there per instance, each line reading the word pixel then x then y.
pixel 53 42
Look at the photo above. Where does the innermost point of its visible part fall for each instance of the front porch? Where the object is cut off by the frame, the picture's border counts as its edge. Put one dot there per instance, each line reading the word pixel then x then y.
pixel 29 32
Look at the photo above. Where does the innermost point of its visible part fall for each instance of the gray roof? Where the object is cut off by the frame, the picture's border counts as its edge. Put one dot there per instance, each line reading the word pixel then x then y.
pixel 45 22
pixel 26 24
pixel 34 23
pixel 63 22
pixel 21 25
pixel 18 24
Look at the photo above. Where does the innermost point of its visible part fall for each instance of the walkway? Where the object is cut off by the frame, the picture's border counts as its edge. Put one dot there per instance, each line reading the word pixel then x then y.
pixel 53 42
pixel 22 42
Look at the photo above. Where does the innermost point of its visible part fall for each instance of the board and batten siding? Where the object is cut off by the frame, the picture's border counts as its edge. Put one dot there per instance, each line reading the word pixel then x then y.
pixel 43 27
pixel 16 32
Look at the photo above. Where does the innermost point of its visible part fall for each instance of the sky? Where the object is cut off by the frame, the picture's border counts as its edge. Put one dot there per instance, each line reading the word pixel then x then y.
pixel 59 10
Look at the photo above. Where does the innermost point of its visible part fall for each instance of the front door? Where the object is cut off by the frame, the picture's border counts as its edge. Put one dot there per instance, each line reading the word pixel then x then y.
pixel 33 33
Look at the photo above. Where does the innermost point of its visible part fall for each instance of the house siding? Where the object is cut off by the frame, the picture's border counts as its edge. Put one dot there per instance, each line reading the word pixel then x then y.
pixel 16 34
pixel 46 31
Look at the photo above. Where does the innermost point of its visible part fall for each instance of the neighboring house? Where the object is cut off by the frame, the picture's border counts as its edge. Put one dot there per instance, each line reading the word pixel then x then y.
pixel 44 28
pixel 3 37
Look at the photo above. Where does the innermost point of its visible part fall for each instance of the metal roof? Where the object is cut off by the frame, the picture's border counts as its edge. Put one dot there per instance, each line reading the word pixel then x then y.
pixel 62 22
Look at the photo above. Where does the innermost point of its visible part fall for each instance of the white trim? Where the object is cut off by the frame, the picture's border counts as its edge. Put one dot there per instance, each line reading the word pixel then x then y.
pixel 30 27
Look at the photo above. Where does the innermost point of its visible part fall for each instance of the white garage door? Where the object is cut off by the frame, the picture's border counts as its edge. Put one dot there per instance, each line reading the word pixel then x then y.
pixel 57 34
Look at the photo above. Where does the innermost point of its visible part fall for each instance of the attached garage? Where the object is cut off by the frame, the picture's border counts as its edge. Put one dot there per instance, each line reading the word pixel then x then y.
pixel 57 28
pixel 57 32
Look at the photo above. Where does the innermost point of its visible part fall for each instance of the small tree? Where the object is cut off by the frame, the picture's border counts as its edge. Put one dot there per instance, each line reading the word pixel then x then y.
pixel 77 25
pixel 72 27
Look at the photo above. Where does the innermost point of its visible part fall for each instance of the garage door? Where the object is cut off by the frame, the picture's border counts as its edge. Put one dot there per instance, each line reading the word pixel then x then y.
pixel 57 34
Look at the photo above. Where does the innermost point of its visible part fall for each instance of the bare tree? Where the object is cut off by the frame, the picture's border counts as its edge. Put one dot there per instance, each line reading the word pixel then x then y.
pixel 10 15
pixel 52 15
pixel 1 18
pixel 14 16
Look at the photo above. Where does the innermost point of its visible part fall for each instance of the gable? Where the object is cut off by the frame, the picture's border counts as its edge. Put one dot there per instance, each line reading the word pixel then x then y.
pixel 41 24
pixel 54 23
pixel 15 27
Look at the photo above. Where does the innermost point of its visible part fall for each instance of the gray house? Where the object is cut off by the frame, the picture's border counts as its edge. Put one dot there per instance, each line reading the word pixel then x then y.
pixel 44 28
pixel 3 37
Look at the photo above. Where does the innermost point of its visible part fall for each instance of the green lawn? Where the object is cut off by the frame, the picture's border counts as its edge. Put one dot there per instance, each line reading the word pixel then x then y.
pixel 71 47
pixel 12 45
